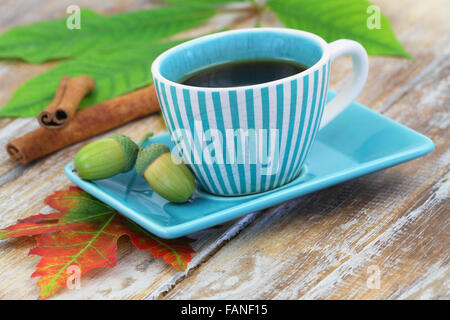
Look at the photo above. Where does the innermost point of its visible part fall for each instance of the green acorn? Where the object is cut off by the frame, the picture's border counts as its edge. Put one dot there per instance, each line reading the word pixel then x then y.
pixel 105 158
pixel 171 180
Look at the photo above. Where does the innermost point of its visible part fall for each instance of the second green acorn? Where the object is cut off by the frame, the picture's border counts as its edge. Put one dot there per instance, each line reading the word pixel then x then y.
pixel 166 174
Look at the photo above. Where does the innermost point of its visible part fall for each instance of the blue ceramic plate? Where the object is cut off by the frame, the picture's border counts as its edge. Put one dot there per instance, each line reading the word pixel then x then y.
pixel 359 141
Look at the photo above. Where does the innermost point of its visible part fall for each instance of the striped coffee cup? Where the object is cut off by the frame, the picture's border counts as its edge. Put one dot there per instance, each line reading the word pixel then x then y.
pixel 249 139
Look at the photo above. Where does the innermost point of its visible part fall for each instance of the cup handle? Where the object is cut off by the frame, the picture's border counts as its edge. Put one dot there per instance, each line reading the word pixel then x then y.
pixel 354 83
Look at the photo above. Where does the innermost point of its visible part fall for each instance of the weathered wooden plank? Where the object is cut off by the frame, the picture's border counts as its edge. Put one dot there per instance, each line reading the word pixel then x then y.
pixel 14 12
pixel 322 246
pixel 137 275
pixel 10 131
pixel 420 26
pixel 328 244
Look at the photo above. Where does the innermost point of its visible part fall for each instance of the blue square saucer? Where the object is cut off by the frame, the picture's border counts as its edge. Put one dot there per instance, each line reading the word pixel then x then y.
pixel 359 141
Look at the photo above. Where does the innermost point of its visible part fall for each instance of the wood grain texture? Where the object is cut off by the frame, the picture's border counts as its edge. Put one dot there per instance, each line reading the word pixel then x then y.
pixel 330 244
pixel 136 276
pixel 22 189
pixel 324 245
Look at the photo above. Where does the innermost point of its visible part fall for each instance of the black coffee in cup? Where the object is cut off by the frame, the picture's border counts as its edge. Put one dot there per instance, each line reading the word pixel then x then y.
pixel 243 73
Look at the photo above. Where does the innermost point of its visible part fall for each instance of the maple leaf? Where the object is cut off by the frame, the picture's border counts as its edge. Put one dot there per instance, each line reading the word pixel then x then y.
pixel 76 207
pixel 84 233
pixel 34 225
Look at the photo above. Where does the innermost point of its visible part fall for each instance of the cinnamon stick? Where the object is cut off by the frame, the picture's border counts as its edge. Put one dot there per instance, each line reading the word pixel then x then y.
pixel 68 96
pixel 85 124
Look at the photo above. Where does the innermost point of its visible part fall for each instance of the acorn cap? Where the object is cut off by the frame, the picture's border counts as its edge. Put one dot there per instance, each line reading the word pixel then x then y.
pixel 129 148
pixel 149 154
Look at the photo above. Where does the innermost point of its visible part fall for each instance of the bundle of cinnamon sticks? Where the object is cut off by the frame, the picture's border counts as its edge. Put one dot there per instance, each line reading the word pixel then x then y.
pixel 62 125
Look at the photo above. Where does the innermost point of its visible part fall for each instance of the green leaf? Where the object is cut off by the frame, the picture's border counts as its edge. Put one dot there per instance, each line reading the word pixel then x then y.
pixel 205 2
pixel 48 40
pixel 337 19
pixel 115 72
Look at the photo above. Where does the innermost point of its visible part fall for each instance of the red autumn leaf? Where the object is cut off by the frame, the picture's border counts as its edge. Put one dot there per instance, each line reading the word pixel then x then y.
pixel 78 206
pixel 74 209
pixel 174 252
pixel 87 237
pixel 64 200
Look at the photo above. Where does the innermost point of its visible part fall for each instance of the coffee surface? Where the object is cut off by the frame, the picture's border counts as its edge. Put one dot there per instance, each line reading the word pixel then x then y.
pixel 242 73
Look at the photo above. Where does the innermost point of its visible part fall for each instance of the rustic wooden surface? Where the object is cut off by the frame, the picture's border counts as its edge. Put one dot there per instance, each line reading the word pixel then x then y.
pixel 325 245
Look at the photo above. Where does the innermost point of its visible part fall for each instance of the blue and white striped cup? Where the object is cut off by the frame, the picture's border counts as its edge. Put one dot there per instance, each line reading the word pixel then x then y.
pixel 250 139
